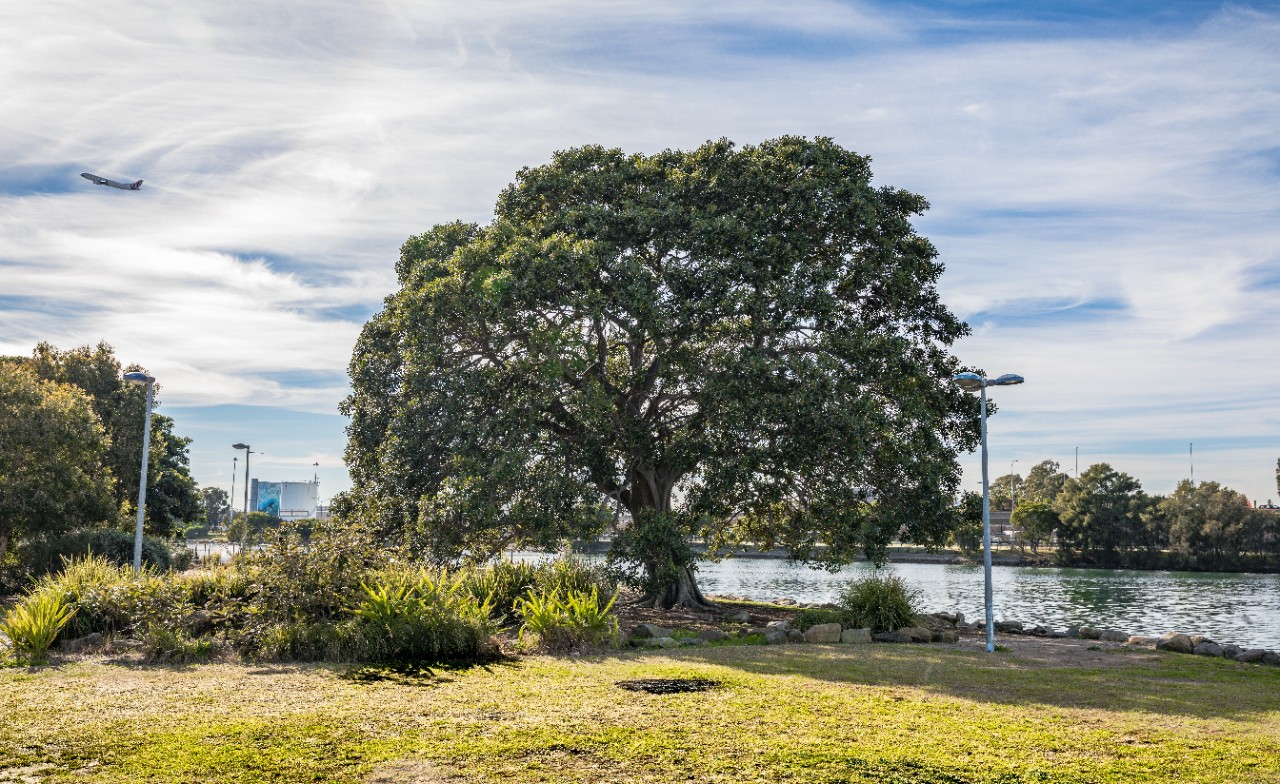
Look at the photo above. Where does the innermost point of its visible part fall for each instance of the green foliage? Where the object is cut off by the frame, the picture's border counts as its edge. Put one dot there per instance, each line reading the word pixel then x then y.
pixel 120 408
pixel 745 343
pixel 52 477
pixel 1036 521
pixel 813 616
pixel 967 534
pixel 422 618
pixel 1102 518
pixel 882 604
pixel 176 646
pixel 114 545
pixel 215 504
pixel 557 621
pixel 111 599
pixel 34 623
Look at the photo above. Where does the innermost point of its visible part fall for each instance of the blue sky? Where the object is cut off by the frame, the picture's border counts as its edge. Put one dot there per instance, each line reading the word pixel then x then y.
pixel 1104 180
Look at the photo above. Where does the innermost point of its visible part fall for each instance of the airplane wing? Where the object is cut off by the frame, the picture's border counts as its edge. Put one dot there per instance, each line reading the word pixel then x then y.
pixel 124 186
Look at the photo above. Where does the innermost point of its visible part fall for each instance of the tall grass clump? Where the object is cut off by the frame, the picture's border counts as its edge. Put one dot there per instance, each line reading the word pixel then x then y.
pixel 883 604
pixel 111 600
pixel 559 621
pixel 34 623
pixel 504 583
pixel 420 617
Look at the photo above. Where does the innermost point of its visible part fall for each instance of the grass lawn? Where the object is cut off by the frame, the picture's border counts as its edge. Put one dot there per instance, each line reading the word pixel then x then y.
pixel 802 713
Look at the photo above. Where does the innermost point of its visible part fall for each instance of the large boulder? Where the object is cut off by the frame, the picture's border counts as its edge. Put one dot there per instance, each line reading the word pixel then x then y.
pixel 1175 642
pixel 775 637
pixel 648 631
pixel 738 616
pixel 712 635
pixel 795 635
pixel 945 635
pixel 823 632
pixel 1111 635
pixel 1270 657
pixel 918 633
pixel 1207 648
pixel 897 636
pixel 1090 633
pixel 1009 627
pixel 778 626
pixel 1140 641
pixel 81 644
pixel 852 636
pixel 1251 655
pixel 662 642
pixel 1230 651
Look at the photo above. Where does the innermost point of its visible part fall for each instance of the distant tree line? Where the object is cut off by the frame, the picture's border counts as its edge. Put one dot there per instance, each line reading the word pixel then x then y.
pixel 1104 518
pixel 71 449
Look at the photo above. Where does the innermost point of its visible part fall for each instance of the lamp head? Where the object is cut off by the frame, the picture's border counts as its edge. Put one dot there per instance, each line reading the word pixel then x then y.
pixel 139 378
pixel 969 382
pixel 1006 380
pixel 239 446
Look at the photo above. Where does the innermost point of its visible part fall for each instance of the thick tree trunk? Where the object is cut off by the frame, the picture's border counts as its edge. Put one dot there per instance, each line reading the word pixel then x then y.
pixel 651 491
pixel 4 545
pixel 684 592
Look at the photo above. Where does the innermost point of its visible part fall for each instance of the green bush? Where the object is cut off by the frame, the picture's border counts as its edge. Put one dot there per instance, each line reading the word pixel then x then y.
pixel 163 644
pixel 814 616
pixel 883 604
pixel 34 623
pixel 420 617
pixel 116 546
pixel 111 599
pixel 504 583
pixel 575 619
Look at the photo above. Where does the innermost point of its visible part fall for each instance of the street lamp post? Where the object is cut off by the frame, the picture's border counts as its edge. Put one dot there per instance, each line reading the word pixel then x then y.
pixel 972 382
pixel 231 499
pixel 1013 489
pixel 142 379
pixel 247 452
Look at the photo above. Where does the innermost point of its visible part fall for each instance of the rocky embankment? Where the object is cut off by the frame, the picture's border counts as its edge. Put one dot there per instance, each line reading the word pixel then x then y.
pixel 931 628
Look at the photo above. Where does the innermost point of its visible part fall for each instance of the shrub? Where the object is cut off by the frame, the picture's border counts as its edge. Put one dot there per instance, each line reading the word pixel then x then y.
pixel 420 617
pixel 163 644
pixel 116 546
pixel 554 621
pixel 883 604
pixel 505 582
pixel 34 623
pixel 501 584
pixel 111 599
pixel 816 615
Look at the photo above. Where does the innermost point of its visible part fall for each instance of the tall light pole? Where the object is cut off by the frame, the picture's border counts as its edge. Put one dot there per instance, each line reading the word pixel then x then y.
pixel 247 452
pixel 1013 489
pixel 1191 454
pixel 972 382
pixel 231 499
pixel 142 379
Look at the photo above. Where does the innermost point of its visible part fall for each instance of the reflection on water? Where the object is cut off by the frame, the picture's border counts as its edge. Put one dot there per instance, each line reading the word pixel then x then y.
pixel 1239 608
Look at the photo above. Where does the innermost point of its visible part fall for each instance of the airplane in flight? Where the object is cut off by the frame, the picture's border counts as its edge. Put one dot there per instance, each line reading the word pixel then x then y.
pixel 124 186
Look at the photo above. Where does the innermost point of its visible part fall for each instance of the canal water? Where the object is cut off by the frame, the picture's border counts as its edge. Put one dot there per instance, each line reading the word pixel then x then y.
pixel 1239 608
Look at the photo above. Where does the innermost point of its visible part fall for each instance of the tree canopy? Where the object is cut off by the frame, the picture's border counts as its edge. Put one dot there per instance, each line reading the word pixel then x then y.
pixel 52 476
pixel 120 408
pixel 745 344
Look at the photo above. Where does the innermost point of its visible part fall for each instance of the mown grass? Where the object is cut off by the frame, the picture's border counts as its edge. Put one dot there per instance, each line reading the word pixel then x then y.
pixel 782 713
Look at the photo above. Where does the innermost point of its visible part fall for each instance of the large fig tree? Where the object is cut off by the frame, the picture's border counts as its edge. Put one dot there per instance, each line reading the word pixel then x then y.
pixel 738 344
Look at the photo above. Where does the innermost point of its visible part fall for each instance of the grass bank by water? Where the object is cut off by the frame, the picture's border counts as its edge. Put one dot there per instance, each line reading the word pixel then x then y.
pixel 781 713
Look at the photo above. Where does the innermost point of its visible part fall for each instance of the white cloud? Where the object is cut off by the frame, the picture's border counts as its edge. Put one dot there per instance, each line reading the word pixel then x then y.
pixel 289 148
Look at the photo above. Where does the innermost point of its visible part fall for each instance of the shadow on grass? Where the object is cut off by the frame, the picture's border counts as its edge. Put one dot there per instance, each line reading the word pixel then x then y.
pixel 1114 680
pixel 418 674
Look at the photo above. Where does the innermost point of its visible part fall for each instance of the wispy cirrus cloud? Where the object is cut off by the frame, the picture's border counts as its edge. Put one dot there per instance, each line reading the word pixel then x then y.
pixel 1103 181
